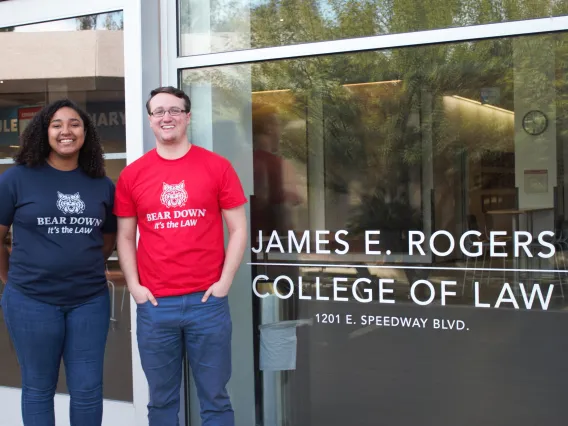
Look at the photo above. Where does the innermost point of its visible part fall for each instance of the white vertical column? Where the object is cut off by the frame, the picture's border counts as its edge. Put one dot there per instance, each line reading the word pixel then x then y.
pixel 427 163
pixel 198 24
pixel 196 39
pixel 232 138
pixel 221 122
pixel 534 77
pixel 56 89
pixel 201 125
pixel 316 163
pixel 142 74
pixel 535 155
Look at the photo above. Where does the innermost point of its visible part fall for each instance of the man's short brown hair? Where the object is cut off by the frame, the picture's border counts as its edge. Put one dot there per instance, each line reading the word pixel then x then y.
pixel 178 93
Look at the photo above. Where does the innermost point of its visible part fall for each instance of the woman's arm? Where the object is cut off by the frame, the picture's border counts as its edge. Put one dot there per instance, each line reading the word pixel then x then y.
pixel 109 244
pixel 3 254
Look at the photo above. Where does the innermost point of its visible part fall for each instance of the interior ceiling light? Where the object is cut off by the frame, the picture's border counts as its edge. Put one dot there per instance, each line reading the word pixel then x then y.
pixel 372 83
pixel 461 98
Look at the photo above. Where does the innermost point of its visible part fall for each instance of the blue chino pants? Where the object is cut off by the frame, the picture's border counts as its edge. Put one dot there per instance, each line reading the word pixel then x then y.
pixel 203 330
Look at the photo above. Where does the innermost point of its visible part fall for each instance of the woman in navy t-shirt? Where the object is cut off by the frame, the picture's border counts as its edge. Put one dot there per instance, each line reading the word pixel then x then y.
pixel 58 201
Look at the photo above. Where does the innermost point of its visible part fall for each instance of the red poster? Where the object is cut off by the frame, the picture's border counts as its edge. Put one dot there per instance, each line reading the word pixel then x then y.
pixel 25 115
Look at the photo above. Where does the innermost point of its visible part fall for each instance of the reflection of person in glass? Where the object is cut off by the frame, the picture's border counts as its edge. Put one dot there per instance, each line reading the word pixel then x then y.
pixel 275 194
pixel 56 301
pixel 178 195
pixel 275 186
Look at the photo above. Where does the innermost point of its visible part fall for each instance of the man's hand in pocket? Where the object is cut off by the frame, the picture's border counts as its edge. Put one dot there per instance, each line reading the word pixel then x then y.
pixel 219 289
pixel 141 295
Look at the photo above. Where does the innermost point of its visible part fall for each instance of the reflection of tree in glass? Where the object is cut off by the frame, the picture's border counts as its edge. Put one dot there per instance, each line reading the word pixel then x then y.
pixel 380 107
pixel 108 21
pixel 280 22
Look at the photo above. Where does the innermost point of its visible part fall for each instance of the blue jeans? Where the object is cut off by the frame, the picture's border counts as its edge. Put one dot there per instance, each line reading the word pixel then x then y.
pixel 203 330
pixel 44 333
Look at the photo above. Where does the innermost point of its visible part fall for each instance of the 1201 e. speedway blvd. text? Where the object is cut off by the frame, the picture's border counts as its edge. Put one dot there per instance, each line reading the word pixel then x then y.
pixel 390 321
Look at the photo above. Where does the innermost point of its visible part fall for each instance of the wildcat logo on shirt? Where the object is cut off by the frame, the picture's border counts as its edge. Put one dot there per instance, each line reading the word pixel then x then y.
pixel 70 203
pixel 174 195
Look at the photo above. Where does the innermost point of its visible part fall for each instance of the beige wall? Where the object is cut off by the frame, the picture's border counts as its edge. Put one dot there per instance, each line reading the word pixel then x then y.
pixel 61 54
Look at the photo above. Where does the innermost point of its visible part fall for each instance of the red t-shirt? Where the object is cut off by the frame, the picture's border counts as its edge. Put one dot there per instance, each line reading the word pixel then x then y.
pixel 178 204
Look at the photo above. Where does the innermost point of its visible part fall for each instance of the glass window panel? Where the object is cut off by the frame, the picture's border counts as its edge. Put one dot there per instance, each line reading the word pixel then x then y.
pixel 95 80
pixel 450 143
pixel 114 167
pixel 225 25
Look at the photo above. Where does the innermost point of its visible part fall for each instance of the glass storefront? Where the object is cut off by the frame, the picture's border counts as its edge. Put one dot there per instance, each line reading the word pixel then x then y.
pixel 94 78
pixel 408 231
pixel 408 204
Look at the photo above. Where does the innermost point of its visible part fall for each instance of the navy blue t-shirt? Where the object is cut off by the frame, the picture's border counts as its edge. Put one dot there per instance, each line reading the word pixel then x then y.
pixel 58 220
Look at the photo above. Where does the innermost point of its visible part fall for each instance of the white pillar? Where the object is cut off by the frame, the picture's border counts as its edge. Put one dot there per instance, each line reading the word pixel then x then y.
pixel 535 155
pixel 534 77
pixel 221 122
pixel 316 163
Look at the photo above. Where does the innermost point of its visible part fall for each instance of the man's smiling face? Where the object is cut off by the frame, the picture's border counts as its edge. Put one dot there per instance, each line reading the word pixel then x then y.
pixel 169 128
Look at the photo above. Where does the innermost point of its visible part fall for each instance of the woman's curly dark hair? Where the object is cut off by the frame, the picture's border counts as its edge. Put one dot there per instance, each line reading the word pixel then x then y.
pixel 34 144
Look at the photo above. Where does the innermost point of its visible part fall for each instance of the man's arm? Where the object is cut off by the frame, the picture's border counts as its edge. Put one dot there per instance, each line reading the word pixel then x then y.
pixel 4 256
pixel 237 225
pixel 126 246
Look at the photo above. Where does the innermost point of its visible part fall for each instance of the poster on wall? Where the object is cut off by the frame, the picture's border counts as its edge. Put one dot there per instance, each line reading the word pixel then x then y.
pixel 536 181
pixel 25 115
pixel 8 127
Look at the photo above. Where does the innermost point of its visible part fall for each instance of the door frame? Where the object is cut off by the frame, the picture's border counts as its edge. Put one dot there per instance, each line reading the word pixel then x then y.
pixel 23 12
pixel 174 64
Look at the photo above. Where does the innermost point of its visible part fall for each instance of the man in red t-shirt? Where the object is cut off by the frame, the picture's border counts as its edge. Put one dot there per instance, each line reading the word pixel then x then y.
pixel 178 195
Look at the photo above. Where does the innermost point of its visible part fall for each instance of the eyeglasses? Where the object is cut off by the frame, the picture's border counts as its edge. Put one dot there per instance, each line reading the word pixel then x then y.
pixel 173 112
